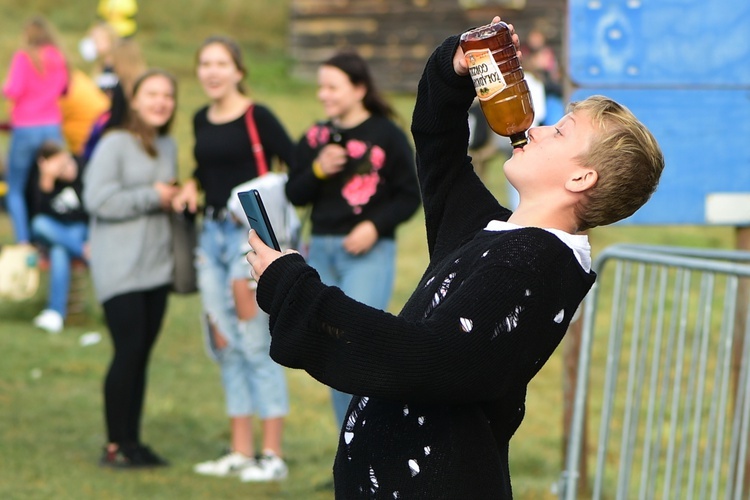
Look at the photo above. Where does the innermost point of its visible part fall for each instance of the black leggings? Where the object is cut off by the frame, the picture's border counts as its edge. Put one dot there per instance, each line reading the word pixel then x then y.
pixel 134 320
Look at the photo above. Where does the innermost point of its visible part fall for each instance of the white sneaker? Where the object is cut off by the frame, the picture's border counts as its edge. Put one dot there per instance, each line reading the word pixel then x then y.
pixel 267 468
pixel 230 464
pixel 49 320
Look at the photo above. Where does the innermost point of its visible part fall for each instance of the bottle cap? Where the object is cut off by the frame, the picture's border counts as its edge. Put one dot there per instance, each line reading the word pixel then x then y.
pixel 486 31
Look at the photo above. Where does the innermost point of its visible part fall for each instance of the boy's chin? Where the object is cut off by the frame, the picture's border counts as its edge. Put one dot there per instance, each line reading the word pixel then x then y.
pixel 506 166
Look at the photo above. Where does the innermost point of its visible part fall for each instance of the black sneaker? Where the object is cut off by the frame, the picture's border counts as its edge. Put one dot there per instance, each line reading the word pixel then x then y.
pixel 148 456
pixel 131 457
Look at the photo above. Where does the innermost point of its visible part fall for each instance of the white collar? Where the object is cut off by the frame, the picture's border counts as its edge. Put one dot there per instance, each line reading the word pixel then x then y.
pixel 579 243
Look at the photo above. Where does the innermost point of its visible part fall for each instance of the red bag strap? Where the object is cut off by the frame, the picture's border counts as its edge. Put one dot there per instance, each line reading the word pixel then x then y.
pixel 260 158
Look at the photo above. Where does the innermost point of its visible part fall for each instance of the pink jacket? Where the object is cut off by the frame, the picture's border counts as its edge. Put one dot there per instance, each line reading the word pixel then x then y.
pixel 35 94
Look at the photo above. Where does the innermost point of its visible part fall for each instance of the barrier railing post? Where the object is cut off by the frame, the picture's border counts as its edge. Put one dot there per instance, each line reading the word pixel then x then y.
pixel 667 382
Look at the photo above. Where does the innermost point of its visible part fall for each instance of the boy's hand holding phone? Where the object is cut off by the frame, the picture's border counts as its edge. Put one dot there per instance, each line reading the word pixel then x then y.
pixel 257 217
pixel 261 256
pixel 261 235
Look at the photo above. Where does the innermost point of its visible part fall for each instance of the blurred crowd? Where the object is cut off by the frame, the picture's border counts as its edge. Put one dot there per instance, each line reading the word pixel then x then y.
pixel 92 181
pixel 428 399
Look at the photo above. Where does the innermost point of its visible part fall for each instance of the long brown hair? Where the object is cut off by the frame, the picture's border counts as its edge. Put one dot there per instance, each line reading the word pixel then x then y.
pixel 234 51
pixel 134 123
pixel 48 149
pixel 38 33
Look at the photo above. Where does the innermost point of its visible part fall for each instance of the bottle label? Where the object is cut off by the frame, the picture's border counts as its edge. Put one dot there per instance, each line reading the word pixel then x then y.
pixel 485 73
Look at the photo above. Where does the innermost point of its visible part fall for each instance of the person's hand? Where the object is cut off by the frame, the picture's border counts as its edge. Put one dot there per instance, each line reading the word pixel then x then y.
pixel 50 167
pixel 516 40
pixel 69 169
pixel 459 58
pixel 49 171
pixel 332 159
pixel 261 255
pixel 186 198
pixel 361 239
pixel 167 192
pixel 459 62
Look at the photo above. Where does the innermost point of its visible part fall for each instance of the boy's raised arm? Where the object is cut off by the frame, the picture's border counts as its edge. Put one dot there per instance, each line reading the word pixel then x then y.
pixel 441 135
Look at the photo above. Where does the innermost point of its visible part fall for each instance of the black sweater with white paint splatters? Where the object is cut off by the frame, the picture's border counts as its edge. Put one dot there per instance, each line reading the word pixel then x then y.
pixel 442 384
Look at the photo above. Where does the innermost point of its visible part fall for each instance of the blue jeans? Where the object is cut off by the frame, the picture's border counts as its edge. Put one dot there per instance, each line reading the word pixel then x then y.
pixel 65 241
pixel 366 278
pixel 24 143
pixel 253 382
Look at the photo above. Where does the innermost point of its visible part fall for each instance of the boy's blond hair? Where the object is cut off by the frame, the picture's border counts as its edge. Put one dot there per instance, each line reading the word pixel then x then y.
pixel 626 157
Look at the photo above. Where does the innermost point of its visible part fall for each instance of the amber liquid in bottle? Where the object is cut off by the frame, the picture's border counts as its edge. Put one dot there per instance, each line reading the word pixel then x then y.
pixel 499 81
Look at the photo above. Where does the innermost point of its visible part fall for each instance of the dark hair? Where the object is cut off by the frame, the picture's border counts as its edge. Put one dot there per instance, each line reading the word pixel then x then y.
pixel 234 51
pixel 135 125
pixel 48 149
pixel 355 67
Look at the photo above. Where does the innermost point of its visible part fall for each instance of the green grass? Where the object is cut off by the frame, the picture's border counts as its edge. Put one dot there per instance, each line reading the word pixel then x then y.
pixel 50 387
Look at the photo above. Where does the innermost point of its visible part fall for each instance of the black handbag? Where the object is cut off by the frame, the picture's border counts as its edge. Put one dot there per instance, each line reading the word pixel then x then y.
pixel 184 241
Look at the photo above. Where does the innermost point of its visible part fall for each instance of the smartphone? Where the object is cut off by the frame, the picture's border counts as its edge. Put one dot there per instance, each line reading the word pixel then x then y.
pixel 256 214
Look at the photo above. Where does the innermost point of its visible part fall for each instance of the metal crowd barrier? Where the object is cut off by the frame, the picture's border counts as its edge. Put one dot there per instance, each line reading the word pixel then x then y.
pixel 663 376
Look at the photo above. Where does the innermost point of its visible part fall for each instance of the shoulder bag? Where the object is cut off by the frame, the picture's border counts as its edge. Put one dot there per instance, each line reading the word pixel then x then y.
pixel 184 242
pixel 281 212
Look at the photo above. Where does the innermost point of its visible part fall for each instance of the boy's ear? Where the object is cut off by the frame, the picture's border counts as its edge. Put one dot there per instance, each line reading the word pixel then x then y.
pixel 583 180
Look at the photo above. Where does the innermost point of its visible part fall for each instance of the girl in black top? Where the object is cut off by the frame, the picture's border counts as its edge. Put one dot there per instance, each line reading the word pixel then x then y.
pixel 236 330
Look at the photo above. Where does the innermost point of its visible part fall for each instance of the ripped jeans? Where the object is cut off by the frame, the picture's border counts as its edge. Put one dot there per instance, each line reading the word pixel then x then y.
pixel 253 382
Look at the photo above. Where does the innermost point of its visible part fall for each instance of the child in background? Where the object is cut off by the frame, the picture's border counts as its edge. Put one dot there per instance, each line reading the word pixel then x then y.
pixel 60 224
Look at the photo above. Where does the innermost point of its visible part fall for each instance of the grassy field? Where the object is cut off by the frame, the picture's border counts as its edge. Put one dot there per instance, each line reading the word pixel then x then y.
pixel 51 424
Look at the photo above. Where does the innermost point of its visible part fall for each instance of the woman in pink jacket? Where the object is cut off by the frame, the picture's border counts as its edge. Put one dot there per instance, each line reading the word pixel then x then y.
pixel 36 79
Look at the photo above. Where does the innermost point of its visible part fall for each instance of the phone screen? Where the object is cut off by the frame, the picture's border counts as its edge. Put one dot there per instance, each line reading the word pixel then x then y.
pixel 256 214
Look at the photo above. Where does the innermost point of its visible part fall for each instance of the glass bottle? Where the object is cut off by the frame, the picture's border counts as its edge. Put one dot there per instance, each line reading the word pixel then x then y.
pixel 499 81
